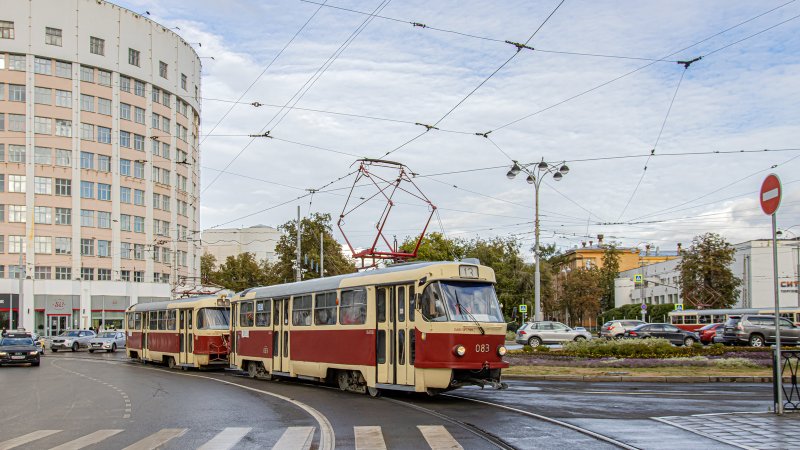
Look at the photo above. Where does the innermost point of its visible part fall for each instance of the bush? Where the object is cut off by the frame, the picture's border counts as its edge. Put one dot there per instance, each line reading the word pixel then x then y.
pixel 633 348
pixel 510 335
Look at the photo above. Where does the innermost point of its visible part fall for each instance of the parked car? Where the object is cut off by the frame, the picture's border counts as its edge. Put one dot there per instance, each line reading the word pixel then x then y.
pixel 665 331
pixel 616 328
pixel 719 337
pixel 109 341
pixel 548 332
pixel 757 330
pixel 72 340
pixel 708 332
pixel 18 348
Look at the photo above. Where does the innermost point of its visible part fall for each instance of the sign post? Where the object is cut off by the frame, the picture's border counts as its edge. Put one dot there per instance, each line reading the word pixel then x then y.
pixel 770 198
pixel 644 310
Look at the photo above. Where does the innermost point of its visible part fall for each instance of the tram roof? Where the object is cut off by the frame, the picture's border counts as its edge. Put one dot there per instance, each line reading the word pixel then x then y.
pixel 154 306
pixel 717 311
pixel 333 283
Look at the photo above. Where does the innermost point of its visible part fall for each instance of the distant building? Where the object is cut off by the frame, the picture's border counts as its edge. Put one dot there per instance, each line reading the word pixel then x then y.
pixel 591 256
pixel 752 263
pixel 259 240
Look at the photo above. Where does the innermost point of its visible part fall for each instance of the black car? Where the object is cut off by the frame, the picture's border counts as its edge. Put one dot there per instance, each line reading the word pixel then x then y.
pixel 18 348
pixel 665 331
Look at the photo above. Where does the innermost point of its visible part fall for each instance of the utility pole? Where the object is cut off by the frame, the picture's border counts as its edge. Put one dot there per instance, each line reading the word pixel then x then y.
pixel 321 254
pixel 19 295
pixel 299 273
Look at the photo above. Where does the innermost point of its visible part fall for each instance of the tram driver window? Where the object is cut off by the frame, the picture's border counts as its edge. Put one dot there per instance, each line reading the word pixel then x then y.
pixel 432 303
pixel 130 321
pixel 137 321
pixel 325 309
pixel 353 308
pixel 301 311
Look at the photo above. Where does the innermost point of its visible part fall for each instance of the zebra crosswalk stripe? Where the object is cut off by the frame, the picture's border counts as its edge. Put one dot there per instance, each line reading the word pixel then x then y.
pixel 295 438
pixel 157 439
pixel 22 440
pixel 438 438
pixel 89 439
pixel 226 439
pixel 369 438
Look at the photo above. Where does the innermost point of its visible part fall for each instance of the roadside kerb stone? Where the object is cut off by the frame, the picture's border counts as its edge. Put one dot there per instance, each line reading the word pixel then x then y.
pixel 643 378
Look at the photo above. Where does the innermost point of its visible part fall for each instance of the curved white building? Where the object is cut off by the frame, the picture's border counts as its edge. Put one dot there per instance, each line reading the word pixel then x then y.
pixel 99 118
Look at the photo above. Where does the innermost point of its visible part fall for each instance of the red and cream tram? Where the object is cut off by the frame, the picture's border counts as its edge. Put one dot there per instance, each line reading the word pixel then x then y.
pixel 424 327
pixel 694 319
pixel 187 332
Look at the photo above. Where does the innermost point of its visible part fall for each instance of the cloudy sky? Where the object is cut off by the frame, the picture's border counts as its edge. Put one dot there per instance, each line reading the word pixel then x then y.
pixel 599 88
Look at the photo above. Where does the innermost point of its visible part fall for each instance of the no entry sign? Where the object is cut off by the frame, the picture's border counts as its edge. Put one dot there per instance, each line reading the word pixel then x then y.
pixel 770 195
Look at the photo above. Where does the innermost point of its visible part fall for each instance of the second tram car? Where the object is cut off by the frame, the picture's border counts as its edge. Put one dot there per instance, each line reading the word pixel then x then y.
pixel 694 319
pixel 423 327
pixel 187 332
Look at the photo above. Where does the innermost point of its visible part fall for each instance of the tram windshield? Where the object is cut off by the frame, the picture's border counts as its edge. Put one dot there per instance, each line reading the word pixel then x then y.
pixel 213 319
pixel 459 301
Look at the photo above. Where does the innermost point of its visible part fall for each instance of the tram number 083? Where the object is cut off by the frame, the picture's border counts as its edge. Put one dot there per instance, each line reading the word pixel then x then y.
pixel 481 348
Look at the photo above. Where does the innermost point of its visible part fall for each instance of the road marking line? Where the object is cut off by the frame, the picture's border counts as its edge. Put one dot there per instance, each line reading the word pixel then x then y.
pixel 295 438
pixel 158 439
pixel 30 437
pixel 369 438
pixel 226 439
pixel 87 440
pixel 438 438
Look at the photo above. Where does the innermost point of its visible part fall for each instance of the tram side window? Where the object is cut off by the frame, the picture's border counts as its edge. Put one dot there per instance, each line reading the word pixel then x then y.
pixel 301 311
pixel 171 314
pixel 162 320
pixel 325 309
pixel 705 318
pixel 719 318
pixel 677 320
pixel 263 309
pixel 137 321
pixel 130 321
pixel 690 319
pixel 153 320
pixel 246 318
pixel 353 308
pixel 380 304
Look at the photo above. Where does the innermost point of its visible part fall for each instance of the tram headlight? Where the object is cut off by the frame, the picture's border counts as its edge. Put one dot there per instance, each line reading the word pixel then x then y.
pixel 459 350
pixel 501 350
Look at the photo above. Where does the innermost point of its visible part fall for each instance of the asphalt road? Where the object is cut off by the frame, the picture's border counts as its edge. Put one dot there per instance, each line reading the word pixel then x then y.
pixel 82 395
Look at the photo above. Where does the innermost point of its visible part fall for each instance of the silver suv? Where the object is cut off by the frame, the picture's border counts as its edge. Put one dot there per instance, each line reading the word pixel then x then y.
pixel 538 333
pixel 72 340
pixel 757 330
pixel 614 329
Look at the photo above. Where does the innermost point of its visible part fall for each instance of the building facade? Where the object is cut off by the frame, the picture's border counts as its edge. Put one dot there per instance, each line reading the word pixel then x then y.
pixel 99 119
pixel 752 264
pixel 591 256
pixel 260 240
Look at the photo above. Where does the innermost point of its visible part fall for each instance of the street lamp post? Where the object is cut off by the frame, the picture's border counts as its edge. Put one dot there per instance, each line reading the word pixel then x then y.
pixel 558 170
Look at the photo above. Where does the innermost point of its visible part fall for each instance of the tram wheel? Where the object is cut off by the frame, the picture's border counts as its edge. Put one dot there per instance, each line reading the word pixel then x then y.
pixel 252 369
pixel 344 380
pixel 373 392
pixel 171 362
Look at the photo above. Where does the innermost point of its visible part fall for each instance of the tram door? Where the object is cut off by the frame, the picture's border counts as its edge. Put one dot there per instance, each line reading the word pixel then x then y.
pixel 403 319
pixel 185 332
pixel 280 335
pixel 385 334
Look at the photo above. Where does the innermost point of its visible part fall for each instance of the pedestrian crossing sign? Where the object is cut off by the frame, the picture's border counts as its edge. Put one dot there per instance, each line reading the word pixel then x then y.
pixel 678 306
pixel 523 308
pixel 637 278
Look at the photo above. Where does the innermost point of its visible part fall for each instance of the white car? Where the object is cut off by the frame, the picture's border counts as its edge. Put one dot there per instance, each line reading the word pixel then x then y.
pixel 109 341
pixel 615 329
pixel 547 332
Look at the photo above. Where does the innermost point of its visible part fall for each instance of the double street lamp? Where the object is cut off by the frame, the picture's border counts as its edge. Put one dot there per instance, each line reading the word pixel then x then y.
pixel 536 173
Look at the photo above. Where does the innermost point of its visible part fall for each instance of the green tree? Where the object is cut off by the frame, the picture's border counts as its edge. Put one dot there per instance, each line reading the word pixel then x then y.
pixel 607 276
pixel 240 272
pixel 582 292
pixel 435 247
pixel 707 281
pixel 283 271
pixel 208 267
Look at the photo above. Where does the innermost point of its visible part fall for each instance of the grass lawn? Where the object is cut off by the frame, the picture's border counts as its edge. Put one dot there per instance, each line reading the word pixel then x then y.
pixel 651 371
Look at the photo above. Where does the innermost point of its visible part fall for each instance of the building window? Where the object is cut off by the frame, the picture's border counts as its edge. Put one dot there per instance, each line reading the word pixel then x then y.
pixel 87 218
pixel 103 163
pixel 155 95
pixel 138 197
pixel 87 131
pixel 103 274
pixel 17 183
pixel 183 81
pixel 97 46
pixel 125 224
pixel 138 276
pixel 138 169
pixel 133 57
pixel 63 69
pixel 103 193
pixel 124 84
pixel 52 36
pixel 43 155
pixel 17 213
pixel 43 245
pixel 42 125
pixel 162 69
pixel 166 99
pixel 16 272
pixel 125 250
pixel 165 124
pixel 103 135
pixel 87 247
pixel 104 250
pixel 125 111
pixel 125 139
pixel 16 122
pixel 124 194
pixel 6 29
pixel 63 98
pixel 43 185
pixel 63 158
pixel 16 154
pixel 138 142
pixel 87 189
pixel 87 160
pixel 16 244
pixel 138 116
pixel 87 74
pixel 87 273
pixel 43 215
pixel 43 96
pixel 156 200
pixel 138 251
pixel 103 219
pixel 63 187
pixel 104 106
pixel 63 128
pixel 138 225
pixel 87 103
pixel 63 246
pixel 16 93
pixel 43 66
pixel 63 216
pixel 104 78
pixel 43 272
pixel 165 150
pixel 138 88
pixel 63 273
pixel 126 275
pixel 125 167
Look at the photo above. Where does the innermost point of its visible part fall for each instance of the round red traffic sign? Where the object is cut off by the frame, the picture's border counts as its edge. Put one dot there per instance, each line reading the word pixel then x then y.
pixel 770 194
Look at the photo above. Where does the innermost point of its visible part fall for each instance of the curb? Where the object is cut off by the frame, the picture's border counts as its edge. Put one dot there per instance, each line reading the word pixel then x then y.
pixel 643 378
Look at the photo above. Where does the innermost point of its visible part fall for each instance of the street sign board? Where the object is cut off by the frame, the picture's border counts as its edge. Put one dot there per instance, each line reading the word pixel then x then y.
pixel 523 308
pixel 644 306
pixel 770 194
pixel 637 278
pixel 678 306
